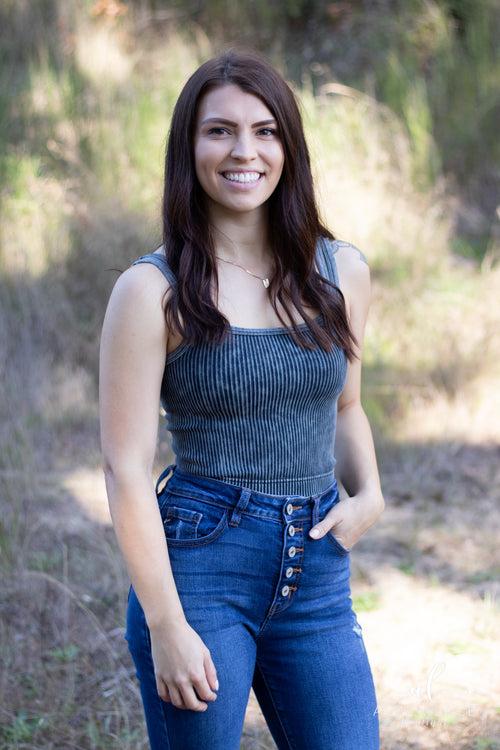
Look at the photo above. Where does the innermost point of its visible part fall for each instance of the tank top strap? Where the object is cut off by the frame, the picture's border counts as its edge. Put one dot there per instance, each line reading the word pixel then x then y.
pixel 161 263
pixel 325 259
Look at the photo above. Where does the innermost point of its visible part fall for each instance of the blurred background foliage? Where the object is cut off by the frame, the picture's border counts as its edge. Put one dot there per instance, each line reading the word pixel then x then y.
pixel 401 103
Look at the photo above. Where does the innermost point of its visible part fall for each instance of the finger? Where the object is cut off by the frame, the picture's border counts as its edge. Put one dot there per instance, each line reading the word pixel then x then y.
pixel 211 672
pixel 176 696
pixel 190 699
pixel 203 689
pixel 163 691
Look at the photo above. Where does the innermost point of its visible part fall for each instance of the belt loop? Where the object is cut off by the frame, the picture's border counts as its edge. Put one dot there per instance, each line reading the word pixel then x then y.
pixel 239 507
pixel 315 509
pixel 162 476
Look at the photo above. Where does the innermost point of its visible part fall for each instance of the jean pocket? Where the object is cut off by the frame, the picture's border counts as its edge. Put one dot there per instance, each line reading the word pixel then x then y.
pixel 181 523
pixel 190 523
pixel 335 543
pixel 326 503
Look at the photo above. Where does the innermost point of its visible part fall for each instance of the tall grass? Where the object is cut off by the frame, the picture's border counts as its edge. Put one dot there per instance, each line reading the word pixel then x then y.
pixel 83 118
pixel 80 167
pixel 442 77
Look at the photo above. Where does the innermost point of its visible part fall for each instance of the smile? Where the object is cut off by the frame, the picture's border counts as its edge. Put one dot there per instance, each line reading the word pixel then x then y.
pixel 244 177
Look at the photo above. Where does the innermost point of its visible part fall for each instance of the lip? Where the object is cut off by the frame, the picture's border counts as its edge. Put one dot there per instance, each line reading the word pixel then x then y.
pixel 244 179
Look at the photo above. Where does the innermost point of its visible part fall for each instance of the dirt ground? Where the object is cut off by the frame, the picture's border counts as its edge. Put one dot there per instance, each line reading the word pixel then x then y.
pixel 426 586
pixel 434 561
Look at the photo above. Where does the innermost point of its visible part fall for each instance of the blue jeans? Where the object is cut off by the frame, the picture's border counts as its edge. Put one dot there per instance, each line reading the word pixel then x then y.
pixel 273 606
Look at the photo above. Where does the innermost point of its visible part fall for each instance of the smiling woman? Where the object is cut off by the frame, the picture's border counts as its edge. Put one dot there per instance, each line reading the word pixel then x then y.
pixel 276 241
pixel 247 325
pixel 238 152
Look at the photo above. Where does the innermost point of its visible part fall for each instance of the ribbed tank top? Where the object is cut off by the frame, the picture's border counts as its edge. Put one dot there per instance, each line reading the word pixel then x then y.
pixel 257 411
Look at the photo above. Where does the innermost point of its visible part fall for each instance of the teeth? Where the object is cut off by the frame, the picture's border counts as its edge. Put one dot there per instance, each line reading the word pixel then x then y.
pixel 242 176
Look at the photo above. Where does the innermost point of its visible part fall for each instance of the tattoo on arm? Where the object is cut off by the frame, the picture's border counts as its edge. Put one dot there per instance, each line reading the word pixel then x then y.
pixel 338 244
pixel 361 256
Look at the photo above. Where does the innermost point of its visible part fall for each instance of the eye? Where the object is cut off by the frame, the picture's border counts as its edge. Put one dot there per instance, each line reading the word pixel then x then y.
pixel 218 131
pixel 268 132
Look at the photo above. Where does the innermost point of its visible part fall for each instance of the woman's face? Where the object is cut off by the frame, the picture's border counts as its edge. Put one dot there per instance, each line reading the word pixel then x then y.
pixel 237 149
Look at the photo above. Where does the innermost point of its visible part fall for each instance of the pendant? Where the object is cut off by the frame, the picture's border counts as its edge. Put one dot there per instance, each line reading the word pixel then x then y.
pixel 266 283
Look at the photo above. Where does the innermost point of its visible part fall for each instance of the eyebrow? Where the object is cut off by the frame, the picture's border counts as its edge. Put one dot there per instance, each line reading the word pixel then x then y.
pixel 223 121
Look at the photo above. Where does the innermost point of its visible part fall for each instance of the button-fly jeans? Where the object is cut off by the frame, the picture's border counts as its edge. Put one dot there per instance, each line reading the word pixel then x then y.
pixel 273 606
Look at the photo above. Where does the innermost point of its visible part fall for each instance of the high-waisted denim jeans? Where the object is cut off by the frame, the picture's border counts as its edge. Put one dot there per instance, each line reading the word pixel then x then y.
pixel 274 608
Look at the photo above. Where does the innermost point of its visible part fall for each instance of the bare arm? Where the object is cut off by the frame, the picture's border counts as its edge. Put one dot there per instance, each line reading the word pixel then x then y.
pixel 133 347
pixel 354 450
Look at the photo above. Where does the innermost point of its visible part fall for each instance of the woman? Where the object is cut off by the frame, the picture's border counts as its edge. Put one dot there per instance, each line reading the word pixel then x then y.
pixel 247 324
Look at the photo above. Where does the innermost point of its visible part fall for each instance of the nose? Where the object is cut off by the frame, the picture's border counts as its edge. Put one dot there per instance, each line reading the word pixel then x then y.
pixel 243 147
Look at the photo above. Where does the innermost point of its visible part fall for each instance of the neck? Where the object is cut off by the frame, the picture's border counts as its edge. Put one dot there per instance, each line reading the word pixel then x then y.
pixel 242 239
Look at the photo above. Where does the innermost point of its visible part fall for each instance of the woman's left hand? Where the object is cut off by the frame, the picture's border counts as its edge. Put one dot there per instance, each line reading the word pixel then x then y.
pixel 350 518
pixel 356 463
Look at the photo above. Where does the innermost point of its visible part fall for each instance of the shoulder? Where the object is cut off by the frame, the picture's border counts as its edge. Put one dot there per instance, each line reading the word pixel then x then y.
pixel 345 251
pixel 137 299
pixel 158 260
pixel 353 277
pixel 344 262
pixel 141 281
pixel 352 266
pixel 148 275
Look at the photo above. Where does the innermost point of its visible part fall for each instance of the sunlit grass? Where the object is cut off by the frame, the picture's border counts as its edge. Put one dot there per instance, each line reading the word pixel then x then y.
pixel 82 133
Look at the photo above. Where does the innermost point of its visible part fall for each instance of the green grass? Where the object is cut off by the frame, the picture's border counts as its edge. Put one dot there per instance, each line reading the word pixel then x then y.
pixel 366 602
pixel 459 648
pixel 21 730
pixel 84 113
pixel 486 743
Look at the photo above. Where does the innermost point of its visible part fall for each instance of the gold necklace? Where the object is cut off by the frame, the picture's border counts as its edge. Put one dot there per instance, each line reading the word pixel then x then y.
pixel 265 280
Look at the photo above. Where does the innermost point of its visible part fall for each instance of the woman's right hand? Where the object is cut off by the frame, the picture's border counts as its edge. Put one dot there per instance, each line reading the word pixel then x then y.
pixel 184 670
pixel 134 340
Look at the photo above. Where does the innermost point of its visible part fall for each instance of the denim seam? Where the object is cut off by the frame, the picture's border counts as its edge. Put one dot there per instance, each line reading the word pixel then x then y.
pixel 193 521
pixel 290 496
pixel 280 607
pixel 180 517
pixel 276 607
pixel 215 534
pixel 278 713
pixel 210 500
pixel 337 545
pixel 239 508
pixel 175 512
pixel 275 517
pixel 152 670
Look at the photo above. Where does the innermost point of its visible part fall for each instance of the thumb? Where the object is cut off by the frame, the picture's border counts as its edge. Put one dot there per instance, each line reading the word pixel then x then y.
pixel 318 531
pixel 323 527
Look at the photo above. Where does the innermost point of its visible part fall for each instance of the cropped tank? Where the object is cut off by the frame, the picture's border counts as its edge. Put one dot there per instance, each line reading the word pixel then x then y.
pixel 257 411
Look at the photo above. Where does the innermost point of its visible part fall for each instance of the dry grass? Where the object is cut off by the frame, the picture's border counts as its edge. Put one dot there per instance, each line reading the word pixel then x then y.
pixel 425 584
pixel 79 196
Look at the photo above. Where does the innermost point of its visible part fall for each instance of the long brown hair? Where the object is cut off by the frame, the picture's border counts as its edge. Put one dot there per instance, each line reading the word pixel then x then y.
pixel 294 223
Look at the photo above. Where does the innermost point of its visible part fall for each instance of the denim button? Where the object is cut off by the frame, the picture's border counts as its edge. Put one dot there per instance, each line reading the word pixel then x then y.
pixel 285 590
pixel 291 530
pixel 291 552
pixel 289 509
pixel 289 572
